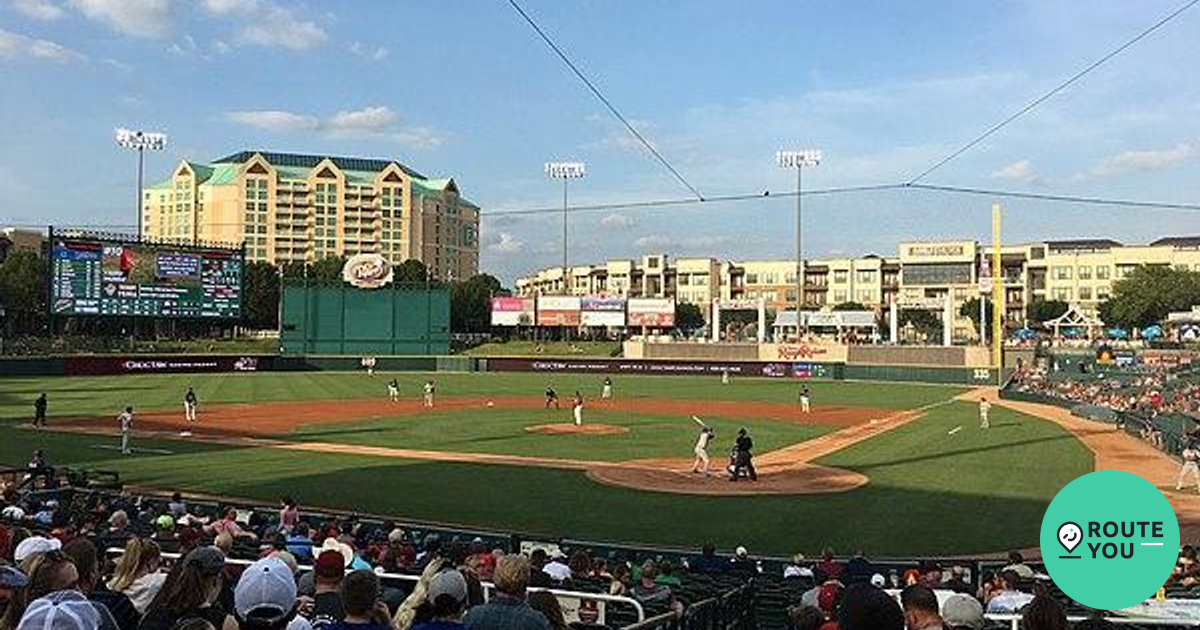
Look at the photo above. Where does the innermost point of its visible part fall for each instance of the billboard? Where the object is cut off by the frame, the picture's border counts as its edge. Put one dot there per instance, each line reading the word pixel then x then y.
pixel 95 276
pixel 603 311
pixel 652 312
pixel 512 311
pixel 558 310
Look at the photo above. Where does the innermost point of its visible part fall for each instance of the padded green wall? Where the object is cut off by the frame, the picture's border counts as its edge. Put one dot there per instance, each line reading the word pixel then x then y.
pixel 342 320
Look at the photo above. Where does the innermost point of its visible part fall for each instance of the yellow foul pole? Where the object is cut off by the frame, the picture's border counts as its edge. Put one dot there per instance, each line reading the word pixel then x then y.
pixel 998 307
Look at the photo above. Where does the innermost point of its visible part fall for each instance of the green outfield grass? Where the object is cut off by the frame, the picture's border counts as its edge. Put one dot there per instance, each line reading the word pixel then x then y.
pixel 930 492
pixel 502 432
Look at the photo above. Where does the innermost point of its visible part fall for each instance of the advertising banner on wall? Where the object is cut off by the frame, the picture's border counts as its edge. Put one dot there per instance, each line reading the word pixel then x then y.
pixel 603 311
pixel 558 310
pixel 652 312
pixel 512 311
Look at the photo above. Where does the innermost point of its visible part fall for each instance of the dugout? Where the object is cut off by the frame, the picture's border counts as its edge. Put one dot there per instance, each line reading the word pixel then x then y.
pixel 400 319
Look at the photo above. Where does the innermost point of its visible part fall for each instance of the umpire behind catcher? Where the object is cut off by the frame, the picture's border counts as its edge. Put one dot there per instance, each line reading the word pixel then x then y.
pixel 743 458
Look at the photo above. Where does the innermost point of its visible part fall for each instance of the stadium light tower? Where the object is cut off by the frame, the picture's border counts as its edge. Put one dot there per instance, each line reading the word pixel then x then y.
pixel 566 171
pixel 140 141
pixel 798 160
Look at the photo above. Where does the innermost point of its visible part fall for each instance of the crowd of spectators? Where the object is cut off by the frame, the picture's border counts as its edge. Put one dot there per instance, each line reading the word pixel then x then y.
pixel 1154 391
pixel 49 565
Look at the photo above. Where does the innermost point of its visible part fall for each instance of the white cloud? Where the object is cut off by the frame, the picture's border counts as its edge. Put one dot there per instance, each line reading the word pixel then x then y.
pixel 368 121
pixel 269 24
pixel 503 243
pixel 226 7
pixel 617 221
pixel 664 242
pixel 1020 171
pixel 275 120
pixel 1145 161
pixel 15 46
pixel 220 47
pixel 117 64
pixel 38 9
pixel 421 137
pixel 140 18
pixel 359 49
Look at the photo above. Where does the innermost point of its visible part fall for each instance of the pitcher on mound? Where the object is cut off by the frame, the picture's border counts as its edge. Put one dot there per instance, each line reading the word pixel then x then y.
pixel 577 408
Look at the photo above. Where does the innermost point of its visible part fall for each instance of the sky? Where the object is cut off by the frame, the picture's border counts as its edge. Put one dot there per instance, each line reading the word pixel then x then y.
pixel 466 89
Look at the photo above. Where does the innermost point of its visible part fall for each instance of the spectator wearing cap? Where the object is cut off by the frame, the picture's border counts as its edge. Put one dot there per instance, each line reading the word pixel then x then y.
pixel 265 597
pixel 48 572
pixel 361 604
pixel 858 568
pixel 864 607
pixel 920 608
pixel 1016 564
pixel 507 609
pixel 458 556
pixel 797 569
pixel 327 576
pixel 741 562
pixel 115 605
pixel 1005 598
pixel 61 610
pixel 446 594
pixel 34 546
pixel 12 584
pixel 398 556
pixel 137 575
pixel 962 612
pixel 190 590
pixel 117 530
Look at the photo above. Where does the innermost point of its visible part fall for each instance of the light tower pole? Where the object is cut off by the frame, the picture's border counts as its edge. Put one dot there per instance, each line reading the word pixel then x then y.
pixel 798 160
pixel 565 171
pixel 140 141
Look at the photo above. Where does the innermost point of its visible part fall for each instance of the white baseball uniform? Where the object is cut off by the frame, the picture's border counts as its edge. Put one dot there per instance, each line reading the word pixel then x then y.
pixel 126 420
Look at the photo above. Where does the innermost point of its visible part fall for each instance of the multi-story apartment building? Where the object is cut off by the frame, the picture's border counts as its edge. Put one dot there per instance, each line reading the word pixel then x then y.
pixel 925 274
pixel 288 207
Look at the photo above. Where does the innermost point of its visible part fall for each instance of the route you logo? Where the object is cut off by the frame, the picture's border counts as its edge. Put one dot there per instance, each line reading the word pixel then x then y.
pixel 1110 540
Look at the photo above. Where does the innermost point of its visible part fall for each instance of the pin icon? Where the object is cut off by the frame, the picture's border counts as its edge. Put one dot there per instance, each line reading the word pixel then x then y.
pixel 1069 536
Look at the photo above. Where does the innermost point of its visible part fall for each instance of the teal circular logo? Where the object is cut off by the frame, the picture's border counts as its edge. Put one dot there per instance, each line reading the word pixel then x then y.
pixel 1110 540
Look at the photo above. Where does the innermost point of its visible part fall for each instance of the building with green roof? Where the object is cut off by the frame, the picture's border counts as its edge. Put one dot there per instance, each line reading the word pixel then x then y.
pixel 289 207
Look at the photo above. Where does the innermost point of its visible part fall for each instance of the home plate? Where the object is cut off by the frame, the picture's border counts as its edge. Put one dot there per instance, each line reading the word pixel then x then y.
pixel 954 430
pixel 155 451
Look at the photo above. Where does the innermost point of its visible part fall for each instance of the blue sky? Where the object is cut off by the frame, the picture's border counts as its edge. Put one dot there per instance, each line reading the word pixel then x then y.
pixel 465 89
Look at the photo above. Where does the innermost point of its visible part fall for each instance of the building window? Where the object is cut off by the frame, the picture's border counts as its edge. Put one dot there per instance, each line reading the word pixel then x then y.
pixel 1085 293
pixel 840 276
pixel 866 276
pixel 866 296
pixel 839 297
pixel 1062 273
pixel 1085 273
pixel 1102 293
pixel 1102 273
pixel 751 278
pixel 1062 295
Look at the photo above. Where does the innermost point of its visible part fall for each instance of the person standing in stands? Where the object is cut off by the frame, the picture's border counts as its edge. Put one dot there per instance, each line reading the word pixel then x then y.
pixel 189 411
pixel 126 421
pixel 39 411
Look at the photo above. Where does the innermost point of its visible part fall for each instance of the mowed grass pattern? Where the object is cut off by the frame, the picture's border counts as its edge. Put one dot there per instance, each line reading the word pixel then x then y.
pixel 107 395
pixel 502 432
pixel 930 493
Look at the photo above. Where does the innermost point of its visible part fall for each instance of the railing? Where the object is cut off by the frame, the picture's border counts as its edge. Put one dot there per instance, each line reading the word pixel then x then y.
pixel 1014 621
pixel 488 587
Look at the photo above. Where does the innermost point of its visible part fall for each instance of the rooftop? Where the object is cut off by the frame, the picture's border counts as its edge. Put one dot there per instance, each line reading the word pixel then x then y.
pixel 303 160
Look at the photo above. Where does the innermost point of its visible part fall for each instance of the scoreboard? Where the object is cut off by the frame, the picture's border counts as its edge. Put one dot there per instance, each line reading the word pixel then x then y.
pixel 95 276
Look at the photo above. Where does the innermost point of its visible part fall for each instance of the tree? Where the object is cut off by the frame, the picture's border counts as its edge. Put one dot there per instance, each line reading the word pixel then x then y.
pixel 688 317
pixel 1148 294
pixel 850 306
pixel 411 270
pixel 326 271
pixel 471 303
pixel 260 295
pixel 926 323
pixel 23 292
pixel 1046 310
pixel 970 310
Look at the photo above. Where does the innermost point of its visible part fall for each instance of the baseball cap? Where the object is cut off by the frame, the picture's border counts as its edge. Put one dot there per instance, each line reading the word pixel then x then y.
pixel 61 610
pixel 877 580
pixel 13 513
pixel 11 577
pixel 330 565
pixel 333 544
pixel 962 611
pixel 396 535
pixel 210 560
pixel 266 591
pixel 740 552
pixel 35 545
pixel 449 582
pixel 166 521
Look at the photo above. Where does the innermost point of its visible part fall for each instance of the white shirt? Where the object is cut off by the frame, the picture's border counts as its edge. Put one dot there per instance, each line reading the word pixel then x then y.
pixel 1009 602
pixel 126 419
pixel 702 442
pixel 984 406
pixel 557 570
pixel 428 388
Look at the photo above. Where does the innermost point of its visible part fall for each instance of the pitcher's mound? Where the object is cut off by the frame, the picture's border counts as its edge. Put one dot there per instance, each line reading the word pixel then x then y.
pixel 572 429
pixel 670 476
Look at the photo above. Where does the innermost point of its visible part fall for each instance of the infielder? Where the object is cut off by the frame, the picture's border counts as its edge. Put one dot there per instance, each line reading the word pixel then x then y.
pixel 725 376
pixel 189 411
pixel 428 395
pixel 577 408
pixel 1191 466
pixel 126 420
pixel 804 399
pixel 393 390
pixel 606 392
pixel 551 398
pixel 701 450
pixel 984 408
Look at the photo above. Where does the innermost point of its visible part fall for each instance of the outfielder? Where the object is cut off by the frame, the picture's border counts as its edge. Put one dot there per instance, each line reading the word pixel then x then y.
pixel 701 449
pixel 126 420
pixel 428 395
pixel 606 392
pixel 189 411
pixel 984 408
pixel 393 390
pixel 577 408
pixel 804 399
pixel 1191 466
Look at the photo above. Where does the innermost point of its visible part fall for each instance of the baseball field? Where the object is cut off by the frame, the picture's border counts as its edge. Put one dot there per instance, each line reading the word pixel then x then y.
pixel 894 469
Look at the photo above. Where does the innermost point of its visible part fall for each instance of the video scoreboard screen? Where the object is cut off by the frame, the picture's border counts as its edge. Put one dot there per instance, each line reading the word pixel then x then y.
pixel 92 276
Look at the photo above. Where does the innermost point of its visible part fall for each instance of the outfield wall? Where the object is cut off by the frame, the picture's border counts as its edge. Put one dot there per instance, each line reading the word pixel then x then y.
pixel 342 320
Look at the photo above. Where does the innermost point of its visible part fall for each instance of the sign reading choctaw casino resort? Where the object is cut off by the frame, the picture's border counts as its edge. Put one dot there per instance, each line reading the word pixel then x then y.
pixel 367 271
